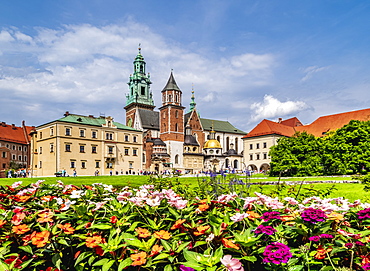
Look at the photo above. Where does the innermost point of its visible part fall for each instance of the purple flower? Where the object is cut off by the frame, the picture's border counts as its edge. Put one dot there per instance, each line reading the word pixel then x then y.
pixel 184 268
pixel 349 245
pixel 366 266
pixel 270 215
pixel 313 215
pixel 359 243
pixel 265 229
pixel 364 214
pixel 327 236
pixel 277 253
pixel 314 238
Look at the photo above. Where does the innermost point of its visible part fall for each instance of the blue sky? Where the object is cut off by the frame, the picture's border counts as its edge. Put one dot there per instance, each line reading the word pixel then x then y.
pixel 247 60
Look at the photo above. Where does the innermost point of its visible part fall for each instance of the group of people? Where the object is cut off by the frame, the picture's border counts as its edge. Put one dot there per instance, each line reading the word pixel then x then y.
pixel 20 173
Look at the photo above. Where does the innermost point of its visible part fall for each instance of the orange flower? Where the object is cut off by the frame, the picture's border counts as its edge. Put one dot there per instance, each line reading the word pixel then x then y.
pixel 138 259
pixel 143 233
pixel 40 239
pixel 19 198
pixel 336 216
pixel 162 235
pixel 47 198
pixel 94 241
pixel 21 229
pixel 67 228
pixel 201 230
pixel 178 224
pixel 203 207
pixel 229 244
pixel 156 249
pixel 321 252
pixel 252 215
pixel 45 217
pixel 2 223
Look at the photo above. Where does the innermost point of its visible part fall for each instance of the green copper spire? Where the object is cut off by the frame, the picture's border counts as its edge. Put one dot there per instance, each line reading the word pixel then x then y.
pixel 139 84
pixel 192 103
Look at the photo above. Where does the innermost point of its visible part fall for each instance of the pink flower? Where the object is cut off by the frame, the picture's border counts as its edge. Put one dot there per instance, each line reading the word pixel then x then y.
pixel 232 264
pixel 179 204
pixel 239 217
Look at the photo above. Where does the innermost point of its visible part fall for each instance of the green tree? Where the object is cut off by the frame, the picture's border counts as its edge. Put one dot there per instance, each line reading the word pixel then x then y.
pixel 299 155
pixel 347 151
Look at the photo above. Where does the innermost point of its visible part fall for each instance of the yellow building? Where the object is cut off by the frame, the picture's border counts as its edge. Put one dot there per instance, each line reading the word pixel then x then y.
pixel 85 145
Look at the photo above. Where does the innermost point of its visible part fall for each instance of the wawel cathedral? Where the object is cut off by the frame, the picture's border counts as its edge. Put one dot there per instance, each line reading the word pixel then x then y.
pixel 174 138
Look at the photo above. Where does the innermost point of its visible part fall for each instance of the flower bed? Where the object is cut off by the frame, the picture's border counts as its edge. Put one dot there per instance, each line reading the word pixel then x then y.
pixel 64 227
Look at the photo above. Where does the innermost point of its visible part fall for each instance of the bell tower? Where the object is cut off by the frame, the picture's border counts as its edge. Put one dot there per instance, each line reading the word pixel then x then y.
pixel 140 95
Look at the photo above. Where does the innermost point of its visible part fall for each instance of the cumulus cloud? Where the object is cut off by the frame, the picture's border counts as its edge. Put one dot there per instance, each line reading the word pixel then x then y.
pixel 271 107
pixel 310 71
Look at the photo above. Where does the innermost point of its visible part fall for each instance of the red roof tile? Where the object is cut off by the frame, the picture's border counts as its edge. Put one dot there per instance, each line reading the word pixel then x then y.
pixel 268 127
pixel 14 133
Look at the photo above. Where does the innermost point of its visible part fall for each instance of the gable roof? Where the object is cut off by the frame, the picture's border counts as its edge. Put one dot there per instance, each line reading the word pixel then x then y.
pixel 333 122
pixel 268 127
pixel 149 119
pixel 14 133
pixel 89 120
pixel 219 126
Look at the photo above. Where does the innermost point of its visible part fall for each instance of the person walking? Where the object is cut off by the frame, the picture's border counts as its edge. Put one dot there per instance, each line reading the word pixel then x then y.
pixel 74 173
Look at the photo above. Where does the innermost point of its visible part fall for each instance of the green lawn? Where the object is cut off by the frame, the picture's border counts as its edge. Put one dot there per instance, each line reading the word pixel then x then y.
pixel 350 191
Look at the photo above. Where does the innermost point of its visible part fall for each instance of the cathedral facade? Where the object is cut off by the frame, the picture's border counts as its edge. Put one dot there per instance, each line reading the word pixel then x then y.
pixel 174 139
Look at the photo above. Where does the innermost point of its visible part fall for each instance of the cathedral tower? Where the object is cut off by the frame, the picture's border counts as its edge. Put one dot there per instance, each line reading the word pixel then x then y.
pixel 171 121
pixel 140 95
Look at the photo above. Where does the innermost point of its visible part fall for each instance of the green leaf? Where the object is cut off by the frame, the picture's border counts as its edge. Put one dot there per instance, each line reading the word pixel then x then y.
pixel 250 258
pixel 125 263
pixel 199 243
pixel 161 256
pixel 27 249
pixel 168 267
pixel 63 242
pixel 91 260
pixel 107 265
pixel 82 256
pixel 296 268
pixel 24 264
pixel 133 226
pixel 191 256
pixel 56 259
pixel 182 246
pixel 165 245
pixel 101 262
pixel 194 265
pixel 101 226
pixel 132 240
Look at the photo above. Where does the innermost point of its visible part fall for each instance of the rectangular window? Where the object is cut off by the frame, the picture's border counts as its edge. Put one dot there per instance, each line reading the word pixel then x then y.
pixel 257 157
pixel 126 138
pixel 3 155
pixel 19 157
pixel 13 156
pixel 40 164
pixel 97 164
pixel 82 133
pixel 93 149
pixel 264 145
pixel 131 165
pixel 126 151
pixel 4 165
pixel 93 134
pixel 134 152
pixel 265 156
pixel 251 157
pixel 51 147
pixel 109 136
pixel 25 148
pixel 257 145
pixel 82 148
pixel 68 147
pixel 251 146
pixel 51 131
pixel 110 150
pixel 25 158
pixel 19 148
pixel 73 164
pixel 68 131
pixel 40 135
pixel 40 150
pixel 134 138
pixel 83 164
pixel 109 165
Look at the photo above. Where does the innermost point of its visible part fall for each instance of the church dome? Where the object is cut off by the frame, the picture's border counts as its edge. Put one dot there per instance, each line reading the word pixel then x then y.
pixel 212 144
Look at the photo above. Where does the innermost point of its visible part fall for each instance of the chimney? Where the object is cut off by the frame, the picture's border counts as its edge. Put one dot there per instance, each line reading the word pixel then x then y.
pixel 66 114
pixel 13 127
pixel 280 120
pixel 3 124
pixel 23 123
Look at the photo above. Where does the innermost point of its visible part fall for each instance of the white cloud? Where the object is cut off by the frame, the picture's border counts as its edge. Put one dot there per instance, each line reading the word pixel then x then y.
pixel 310 71
pixel 273 108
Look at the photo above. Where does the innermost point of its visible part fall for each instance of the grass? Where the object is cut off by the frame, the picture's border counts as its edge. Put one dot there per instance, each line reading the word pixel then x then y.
pixel 351 191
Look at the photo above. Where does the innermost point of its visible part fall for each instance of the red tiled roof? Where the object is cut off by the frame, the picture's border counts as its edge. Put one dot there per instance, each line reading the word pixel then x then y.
pixel 14 133
pixel 268 127
pixel 333 122
pixel 317 128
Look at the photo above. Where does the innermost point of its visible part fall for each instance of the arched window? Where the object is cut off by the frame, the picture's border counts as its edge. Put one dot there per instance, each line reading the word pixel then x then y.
pixel 226 163
pixel 176 114
pixel 236 164
pixel 236 145
pixel 218 138
pixel 170 98
pixel 176 159
pixel 176 126
pixel 227 143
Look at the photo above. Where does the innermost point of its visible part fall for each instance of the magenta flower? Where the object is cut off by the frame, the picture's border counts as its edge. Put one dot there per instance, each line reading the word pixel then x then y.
pixel 364 214
pixel 277 253
pixel 313 215
pixel 366 266
pixel 232 264
pixel 267 216
pixel 184 268
pixel 314 238
pixel 327 236
pixel 265 229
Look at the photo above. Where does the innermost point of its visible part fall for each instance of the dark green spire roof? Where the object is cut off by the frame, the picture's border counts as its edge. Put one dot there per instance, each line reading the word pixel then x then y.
pixel 171 84
pixel 192 103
